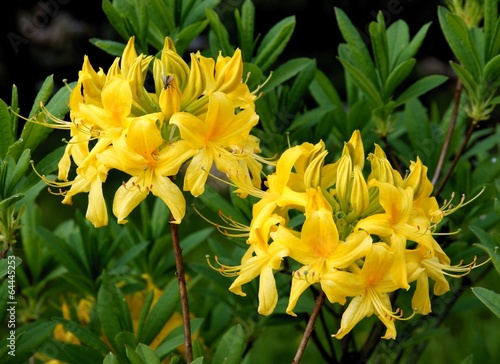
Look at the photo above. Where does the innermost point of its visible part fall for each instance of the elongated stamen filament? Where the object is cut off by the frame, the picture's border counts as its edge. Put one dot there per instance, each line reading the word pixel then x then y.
pixel 223 269
pixel 236 226
pixel 448 208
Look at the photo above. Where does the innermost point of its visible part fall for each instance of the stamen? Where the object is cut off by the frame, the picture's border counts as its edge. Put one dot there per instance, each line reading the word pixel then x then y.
pixel 223 269
pixel 49 182
pixel 448 208
pixel 236 226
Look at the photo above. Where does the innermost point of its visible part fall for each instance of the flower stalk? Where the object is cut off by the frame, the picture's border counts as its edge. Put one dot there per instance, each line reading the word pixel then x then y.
pixel 309 328
pixel 181 279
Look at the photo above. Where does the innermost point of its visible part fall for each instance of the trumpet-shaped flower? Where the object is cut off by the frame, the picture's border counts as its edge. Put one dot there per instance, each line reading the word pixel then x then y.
pixel 142 153
pixel 213 140
pixel 261 259
pixel 318 248
pixel 372 282
pixel 396 226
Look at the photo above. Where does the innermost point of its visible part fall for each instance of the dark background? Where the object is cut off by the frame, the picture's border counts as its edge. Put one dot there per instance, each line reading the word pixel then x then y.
pixel 44 37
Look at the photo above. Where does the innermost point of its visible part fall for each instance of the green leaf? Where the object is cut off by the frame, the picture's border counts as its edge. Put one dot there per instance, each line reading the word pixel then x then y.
pixel 357 46
pixel 7 265
pixel 133 356
pixel 109 46
pixel 467 79
pixel 113 311
pixel 366 86
pixel 84 335
pixel 397 76
pixel 246 25
pixel 420 87
pixel 176 338
pixel 285 72
pixel 231 346
pixel 274 42
pixel 495 40
pixel 299 88
pixel 70 353
pixel 43 95
pixel 45 167
pixel 324 93
pixel 144 312
pixel 418 126
pixel 147 354
pixel 111 359
pixel 7 138
pixel 63 253
pixel 412 48
pixel 309 119
pixel 125 339
pixel 29 338
pixel 9 201
pixel 492 71
pixel 115 19
pixel 14 104
pixel 379 45
pixel 160 313
pixel 198 360
pixel 184 38
pixel 198 13
pixel 468 360
pixel 13 178
pixel 220 32
pixel 488 245
pixel 398 38
pixel 490 18
pixel 458 37
pixel 161 15
pixel 33 134
pixel 489 298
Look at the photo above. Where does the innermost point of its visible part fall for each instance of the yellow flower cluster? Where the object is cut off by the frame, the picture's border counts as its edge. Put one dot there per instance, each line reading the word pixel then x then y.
pixel 362 238
pixel 202 111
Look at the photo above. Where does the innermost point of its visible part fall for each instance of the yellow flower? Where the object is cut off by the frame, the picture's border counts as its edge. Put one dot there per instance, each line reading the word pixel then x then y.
pixel 370 286
pixel 396 226
pixel 214 138
pixel 434 265
pixel 318 248
pixel 261 259
pixel 142 154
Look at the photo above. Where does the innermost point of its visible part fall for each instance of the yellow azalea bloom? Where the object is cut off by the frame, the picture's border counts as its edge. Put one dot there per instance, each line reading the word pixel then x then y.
pixel 318 248
pixel 141 154
pixel 382 170
pixel 354 148
pixel 90 179
pixel 108 122
pixel 261 259
pixel 423 202
pixel 213 139
pixel 223 75
pixel 373 282
pixel 434 265
pixel 397 225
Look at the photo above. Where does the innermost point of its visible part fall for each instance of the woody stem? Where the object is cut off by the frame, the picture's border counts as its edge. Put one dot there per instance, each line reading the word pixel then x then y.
pixel 181 280
pixel 309 328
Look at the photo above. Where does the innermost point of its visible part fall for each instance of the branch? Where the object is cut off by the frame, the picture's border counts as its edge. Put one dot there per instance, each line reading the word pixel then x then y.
pixel 181 280
pixel 457 157
pixel 451 127
pixel 309 328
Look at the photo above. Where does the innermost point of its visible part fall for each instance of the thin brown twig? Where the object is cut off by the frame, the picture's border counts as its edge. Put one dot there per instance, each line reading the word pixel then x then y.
pixel 181 280
pixel 457 158
pixel 309 328
pixel 451 127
